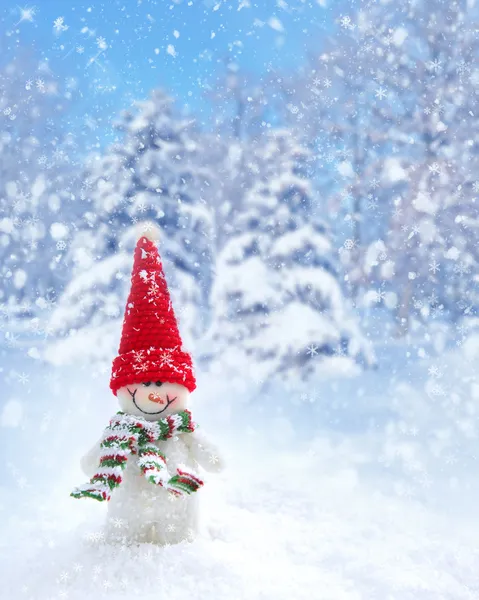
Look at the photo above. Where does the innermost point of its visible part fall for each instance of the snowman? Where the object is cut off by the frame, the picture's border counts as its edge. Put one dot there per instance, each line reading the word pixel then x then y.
pixel 145 465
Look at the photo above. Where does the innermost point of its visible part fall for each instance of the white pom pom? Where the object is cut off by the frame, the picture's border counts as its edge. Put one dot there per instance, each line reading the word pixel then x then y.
pixel 149 230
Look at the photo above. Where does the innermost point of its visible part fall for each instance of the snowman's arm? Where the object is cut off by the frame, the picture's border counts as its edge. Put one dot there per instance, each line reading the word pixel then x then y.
pixel 204 452
pixel 90 462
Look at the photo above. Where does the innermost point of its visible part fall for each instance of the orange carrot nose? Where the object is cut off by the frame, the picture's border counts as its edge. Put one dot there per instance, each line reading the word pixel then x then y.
pixel 155 397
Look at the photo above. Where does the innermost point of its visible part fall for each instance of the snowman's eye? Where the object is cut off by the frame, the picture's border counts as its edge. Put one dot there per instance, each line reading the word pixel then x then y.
pixel 159 383
pixel 147 383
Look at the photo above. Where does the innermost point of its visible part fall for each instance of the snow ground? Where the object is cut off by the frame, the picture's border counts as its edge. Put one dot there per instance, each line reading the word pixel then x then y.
pixel 307 536
pixel 329 497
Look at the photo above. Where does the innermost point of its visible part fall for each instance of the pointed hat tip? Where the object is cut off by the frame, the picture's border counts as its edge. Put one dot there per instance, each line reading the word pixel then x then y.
pixel 149 230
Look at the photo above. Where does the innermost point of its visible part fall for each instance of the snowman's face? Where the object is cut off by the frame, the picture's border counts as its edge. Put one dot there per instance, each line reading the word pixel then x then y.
pixel 153 400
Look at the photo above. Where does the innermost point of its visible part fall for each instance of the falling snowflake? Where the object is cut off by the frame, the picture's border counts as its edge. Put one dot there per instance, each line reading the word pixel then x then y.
pixel 397 212
pixel 346 22
pixel 101 43
pixel 23 378
pixel 27 13
pixel 379 295
pixel 434 266
pixel 118 523
pixel 437 311
pixel 461 268
pixel 312 350
pixel 463 68
pixel 434 65
pixel 330 157
pixel 415 230
pixel 96 536
pixel 434 371
pixel 381 93
pixel 59 25
pixel 147 227
pixel 418 304
pixel 349 244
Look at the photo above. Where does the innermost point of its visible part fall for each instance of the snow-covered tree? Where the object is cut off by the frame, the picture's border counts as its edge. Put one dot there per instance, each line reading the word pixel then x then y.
pixel 425 52
pixel 37 184
pixel 394 93
pixel 154 171
pixel 330 102
pixel 278 308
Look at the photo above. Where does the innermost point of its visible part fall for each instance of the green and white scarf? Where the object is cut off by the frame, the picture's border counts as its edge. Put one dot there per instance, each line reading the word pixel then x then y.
pixel 128 434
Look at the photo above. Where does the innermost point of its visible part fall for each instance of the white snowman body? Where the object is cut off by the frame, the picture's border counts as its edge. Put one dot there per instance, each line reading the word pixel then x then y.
pixel 140 511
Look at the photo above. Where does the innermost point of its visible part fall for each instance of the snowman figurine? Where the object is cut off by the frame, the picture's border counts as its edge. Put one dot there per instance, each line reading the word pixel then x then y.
pixel 145 464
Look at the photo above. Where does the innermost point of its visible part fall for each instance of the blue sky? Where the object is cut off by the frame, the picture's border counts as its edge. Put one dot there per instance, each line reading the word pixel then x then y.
pixel 112 52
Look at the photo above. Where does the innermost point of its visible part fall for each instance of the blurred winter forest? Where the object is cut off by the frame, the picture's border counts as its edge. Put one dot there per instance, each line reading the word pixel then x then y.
pixel 310 202
pixel 317 210
pixel 319 234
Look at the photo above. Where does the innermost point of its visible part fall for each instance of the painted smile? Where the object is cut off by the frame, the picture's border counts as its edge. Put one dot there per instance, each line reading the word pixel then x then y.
pixel 158 412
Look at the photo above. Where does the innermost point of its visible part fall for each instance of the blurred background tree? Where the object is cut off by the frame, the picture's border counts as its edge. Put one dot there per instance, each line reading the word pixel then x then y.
pixel 315 197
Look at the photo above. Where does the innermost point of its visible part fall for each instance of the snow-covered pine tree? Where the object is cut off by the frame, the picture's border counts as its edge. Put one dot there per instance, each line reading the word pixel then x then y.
pixel 278 308
pixel 155 171
pixel 37 181
pixel 393 94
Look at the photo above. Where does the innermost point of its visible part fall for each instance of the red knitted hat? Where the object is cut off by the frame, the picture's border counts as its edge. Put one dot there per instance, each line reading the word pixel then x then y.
pixel 150 346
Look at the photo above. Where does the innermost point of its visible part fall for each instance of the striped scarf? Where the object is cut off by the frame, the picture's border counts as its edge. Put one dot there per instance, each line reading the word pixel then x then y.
pixel 128 434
